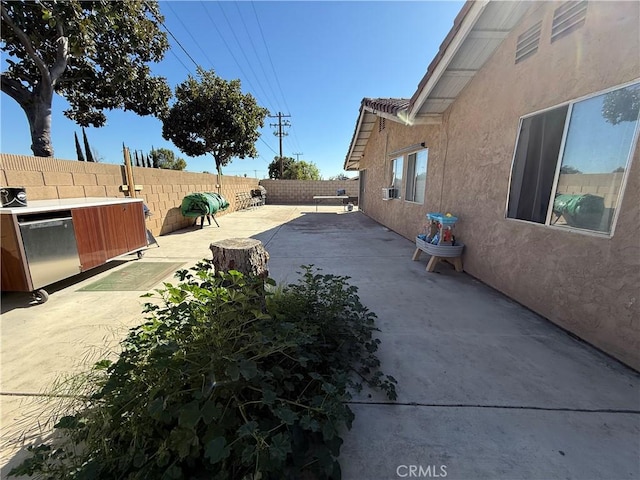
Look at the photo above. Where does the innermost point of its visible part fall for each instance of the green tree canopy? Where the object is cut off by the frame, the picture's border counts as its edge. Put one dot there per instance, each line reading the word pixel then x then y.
pixel 275 168
pixel 622 105
pixel 293 169
pixel 212 115
pixel 93 53
pixel 165 158
pixel 340 176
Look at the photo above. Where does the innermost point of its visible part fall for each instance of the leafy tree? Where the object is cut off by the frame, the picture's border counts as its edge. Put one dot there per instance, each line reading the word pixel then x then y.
pixel 93 53
pixel 165 158
pixel 212 115
pixel 621 105
pixel 568 169
pixel 275 168
pixel 340 176
pixel 302 170
pixel 293 169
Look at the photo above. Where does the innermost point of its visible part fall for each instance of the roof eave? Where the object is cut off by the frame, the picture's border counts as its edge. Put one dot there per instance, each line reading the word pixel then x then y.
pixel 348 161
pixel 468 17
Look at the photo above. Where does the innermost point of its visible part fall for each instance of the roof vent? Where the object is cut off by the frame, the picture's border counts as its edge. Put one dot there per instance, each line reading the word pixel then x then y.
pixel 567 18
pixel 528 42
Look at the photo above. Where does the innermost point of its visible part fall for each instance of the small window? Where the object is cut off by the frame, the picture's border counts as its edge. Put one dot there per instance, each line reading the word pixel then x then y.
pixel 570 161
pixel 528 42
pixel 396 174
pixel 416 176
pixel 568 17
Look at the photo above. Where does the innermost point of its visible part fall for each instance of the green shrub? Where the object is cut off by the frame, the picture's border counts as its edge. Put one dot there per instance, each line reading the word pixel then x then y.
pixel 225 381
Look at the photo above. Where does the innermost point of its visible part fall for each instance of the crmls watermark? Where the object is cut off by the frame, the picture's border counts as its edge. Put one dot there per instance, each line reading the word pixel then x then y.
pixel 420 471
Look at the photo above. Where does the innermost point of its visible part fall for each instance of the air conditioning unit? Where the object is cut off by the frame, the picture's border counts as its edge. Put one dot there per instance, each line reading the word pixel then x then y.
pixel 390 192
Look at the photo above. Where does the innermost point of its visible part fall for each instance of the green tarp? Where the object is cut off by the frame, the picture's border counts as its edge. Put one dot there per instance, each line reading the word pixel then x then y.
pixel 584 211
pixel 200 204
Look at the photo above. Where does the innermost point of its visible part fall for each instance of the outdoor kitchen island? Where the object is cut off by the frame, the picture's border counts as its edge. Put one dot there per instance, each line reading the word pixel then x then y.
pixel 50 240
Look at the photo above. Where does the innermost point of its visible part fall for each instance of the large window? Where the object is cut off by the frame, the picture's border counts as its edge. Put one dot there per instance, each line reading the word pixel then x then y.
pixel 416 176
pixel 396 174
pixel 570 161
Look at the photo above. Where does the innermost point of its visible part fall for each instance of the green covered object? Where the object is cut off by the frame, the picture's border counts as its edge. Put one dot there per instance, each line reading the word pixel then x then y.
pixel 200 204
pixel 583 210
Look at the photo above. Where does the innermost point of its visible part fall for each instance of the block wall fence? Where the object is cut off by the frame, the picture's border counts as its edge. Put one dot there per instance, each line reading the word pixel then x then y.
pixel 301 192
pixel 162 190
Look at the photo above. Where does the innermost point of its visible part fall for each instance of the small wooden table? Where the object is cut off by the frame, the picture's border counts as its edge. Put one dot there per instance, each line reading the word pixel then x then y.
pixel 445 253
pixel 317 198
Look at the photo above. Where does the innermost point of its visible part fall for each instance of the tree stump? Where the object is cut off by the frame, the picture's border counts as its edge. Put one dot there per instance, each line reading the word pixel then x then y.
pixel 245 255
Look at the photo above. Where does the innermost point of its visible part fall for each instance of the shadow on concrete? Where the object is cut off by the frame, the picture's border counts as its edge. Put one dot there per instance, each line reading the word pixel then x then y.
pixel 13 300
pixel 486 387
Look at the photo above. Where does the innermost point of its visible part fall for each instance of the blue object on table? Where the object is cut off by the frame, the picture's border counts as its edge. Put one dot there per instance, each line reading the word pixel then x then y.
pixel 443 219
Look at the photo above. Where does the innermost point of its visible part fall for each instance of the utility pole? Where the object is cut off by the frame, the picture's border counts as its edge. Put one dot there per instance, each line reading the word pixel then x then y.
pixel 298 155
pixel 280 134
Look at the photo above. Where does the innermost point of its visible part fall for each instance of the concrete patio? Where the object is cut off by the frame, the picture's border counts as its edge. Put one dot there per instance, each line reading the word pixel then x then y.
pixel 487 389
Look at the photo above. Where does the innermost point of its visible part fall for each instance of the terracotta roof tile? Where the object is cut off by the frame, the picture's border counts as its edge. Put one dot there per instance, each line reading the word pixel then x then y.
pixel 386 105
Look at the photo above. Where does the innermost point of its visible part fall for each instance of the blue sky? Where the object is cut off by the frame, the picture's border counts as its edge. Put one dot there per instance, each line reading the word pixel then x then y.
pixel 314 61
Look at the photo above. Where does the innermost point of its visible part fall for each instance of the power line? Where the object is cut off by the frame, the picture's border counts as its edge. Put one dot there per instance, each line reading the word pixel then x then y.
pixel 243 54
pixel 176 40
pixel 298 155
pixel 228 47
pixel 255 51
pixel 269 146
pixel 168 4
pixel 269 56
pixel 293 131
pixel 181 62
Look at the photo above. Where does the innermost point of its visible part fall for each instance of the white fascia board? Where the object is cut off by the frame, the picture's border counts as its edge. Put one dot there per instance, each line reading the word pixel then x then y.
pixel 465 29
pixel 355 137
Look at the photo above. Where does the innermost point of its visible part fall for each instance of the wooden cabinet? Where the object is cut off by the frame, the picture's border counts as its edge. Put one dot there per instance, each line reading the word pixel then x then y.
pixel 14 274
pixel 106 232
pixel 123 228
pixel 104 229
pixel 114 218
pixel 88 225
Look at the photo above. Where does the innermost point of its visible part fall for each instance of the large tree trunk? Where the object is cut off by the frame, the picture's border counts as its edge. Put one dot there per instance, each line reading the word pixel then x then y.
pixel 219 175
pixel 38 111
pixel 245 255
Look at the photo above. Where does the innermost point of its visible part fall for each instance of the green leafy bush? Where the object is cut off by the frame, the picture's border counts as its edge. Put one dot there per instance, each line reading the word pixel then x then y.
pixel 225 381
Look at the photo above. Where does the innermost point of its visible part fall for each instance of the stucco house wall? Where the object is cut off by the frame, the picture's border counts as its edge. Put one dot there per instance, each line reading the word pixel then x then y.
pixel 586 283
pixel 406 218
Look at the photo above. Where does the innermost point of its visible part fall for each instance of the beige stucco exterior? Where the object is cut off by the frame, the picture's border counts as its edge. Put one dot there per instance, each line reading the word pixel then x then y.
pixel 588 284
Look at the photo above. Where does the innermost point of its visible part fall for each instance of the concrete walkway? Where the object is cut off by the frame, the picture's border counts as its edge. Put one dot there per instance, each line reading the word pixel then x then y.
pixel 487 389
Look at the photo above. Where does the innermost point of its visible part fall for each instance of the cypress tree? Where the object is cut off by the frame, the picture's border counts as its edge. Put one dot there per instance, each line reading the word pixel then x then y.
pixel 87 148
pixel 79 149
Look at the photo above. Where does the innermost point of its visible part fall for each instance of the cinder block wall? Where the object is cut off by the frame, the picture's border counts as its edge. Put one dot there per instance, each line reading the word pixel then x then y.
pixel 292 192
pixel 162 190
pixel 605 185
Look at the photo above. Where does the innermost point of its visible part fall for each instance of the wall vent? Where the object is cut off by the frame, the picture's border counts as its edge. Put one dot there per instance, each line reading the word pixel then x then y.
pixel 528 42
pixel 567 18
pixel 382 123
